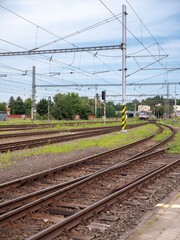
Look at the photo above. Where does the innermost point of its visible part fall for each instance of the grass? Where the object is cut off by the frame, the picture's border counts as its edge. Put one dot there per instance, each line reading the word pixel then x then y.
pixel 176 140
pixel 28 121
pixel 166 132
pixel 173 122
pixel 87 124
pixel 110 141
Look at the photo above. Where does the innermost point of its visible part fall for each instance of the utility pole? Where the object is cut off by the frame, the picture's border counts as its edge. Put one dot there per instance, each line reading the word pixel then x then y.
pixel 49 99
pixel 104 98
pixel 124 69
pixel 175 103
pixel 33 93
pixel 134 109
pixel 105 109
pixel 95 103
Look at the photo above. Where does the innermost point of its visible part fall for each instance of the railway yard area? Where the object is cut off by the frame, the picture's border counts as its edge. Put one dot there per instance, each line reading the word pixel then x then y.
pixel 86 182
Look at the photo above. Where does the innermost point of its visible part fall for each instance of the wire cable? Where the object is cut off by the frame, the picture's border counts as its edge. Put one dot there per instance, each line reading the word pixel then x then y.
pixel 129 30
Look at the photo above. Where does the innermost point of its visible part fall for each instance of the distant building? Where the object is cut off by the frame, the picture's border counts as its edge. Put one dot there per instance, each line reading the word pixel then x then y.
pixel 91 117
pixel 19 116
pixel 8 110
pixel 177 110
pixel 77 117
pixel 158 105
pixel 144 108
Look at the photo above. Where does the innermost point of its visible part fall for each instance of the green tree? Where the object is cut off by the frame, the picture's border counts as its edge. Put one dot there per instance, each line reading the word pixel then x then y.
pixel 11 100
pixel 27 106
pixel 178 101
pixel 17 106
pixel 110 110
pixel 3 106
pixel 66 106
pixel 42 107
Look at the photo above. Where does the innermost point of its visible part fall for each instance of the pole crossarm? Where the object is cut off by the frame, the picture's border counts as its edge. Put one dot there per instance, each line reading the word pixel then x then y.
pixel 138 95
pixel 108 85
pixel 65 50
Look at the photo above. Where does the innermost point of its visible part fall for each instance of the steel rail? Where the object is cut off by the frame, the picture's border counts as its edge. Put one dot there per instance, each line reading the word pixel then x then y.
pixel 45 200
pixel 17 202
pixel 35 176
pixel 79 217
pixel 51 140
pixel 37 194
pixel 32 133
pixel 44 125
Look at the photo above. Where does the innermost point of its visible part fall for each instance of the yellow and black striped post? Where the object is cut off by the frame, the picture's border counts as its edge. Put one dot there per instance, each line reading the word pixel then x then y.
pixel 124 118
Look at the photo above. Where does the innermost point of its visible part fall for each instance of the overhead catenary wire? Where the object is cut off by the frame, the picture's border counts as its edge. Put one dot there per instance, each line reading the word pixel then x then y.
pixel 60 38
pixel 75 70
pixel 129 31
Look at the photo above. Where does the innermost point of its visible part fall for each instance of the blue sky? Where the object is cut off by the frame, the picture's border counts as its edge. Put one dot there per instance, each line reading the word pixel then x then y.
pixel 61 18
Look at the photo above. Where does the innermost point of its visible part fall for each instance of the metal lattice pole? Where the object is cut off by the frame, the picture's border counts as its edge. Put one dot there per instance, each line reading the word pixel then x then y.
pixel 124 68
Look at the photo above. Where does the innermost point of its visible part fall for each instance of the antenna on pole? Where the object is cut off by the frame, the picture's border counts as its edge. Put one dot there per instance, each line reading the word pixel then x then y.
pixel 124 68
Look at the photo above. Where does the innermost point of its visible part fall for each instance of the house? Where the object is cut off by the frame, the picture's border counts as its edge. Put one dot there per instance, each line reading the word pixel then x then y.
pixel 144 108
pixel 177 110
pixel 8 110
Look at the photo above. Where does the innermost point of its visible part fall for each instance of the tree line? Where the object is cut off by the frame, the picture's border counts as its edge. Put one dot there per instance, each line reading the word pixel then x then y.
pixel 67 106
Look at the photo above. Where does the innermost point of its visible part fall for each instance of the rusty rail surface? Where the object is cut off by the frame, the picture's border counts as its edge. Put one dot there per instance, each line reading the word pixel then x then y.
pixel 51 140
pixel 31 207
pixel 80 217
pixel 33 177
pixel 32 133
pixel 76 163
pixel 47 199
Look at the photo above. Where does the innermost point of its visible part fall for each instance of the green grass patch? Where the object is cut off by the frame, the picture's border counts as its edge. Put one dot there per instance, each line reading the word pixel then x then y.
pixel 28 121
pixel 173 122
pixel 110 141
pixel 176 140
pixel 166 133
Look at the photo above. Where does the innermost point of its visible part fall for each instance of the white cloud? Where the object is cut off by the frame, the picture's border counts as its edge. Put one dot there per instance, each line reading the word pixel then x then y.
pixel 64 17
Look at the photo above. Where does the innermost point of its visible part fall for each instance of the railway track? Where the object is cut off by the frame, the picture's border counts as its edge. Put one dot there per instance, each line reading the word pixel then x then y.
pixel 40 126
pixel 16 145
pixel 105 174
pixel 79 201
pixel 47 132
pixel 77 168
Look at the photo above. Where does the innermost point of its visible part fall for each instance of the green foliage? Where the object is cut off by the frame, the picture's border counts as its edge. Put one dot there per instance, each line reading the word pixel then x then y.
pixel 110 141
pixel 27 106
pixel 67 106
pixel 17 106
pixel 175 144
pixel 3 106
pixel 166 133
pixel 42 107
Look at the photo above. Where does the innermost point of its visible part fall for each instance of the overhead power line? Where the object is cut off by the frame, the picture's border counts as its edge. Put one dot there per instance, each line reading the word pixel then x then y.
pixel 130 32
pixel 61 38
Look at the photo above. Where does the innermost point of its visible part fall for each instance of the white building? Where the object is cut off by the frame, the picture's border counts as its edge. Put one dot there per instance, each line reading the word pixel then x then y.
pixel 144 108
pixel 177 110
